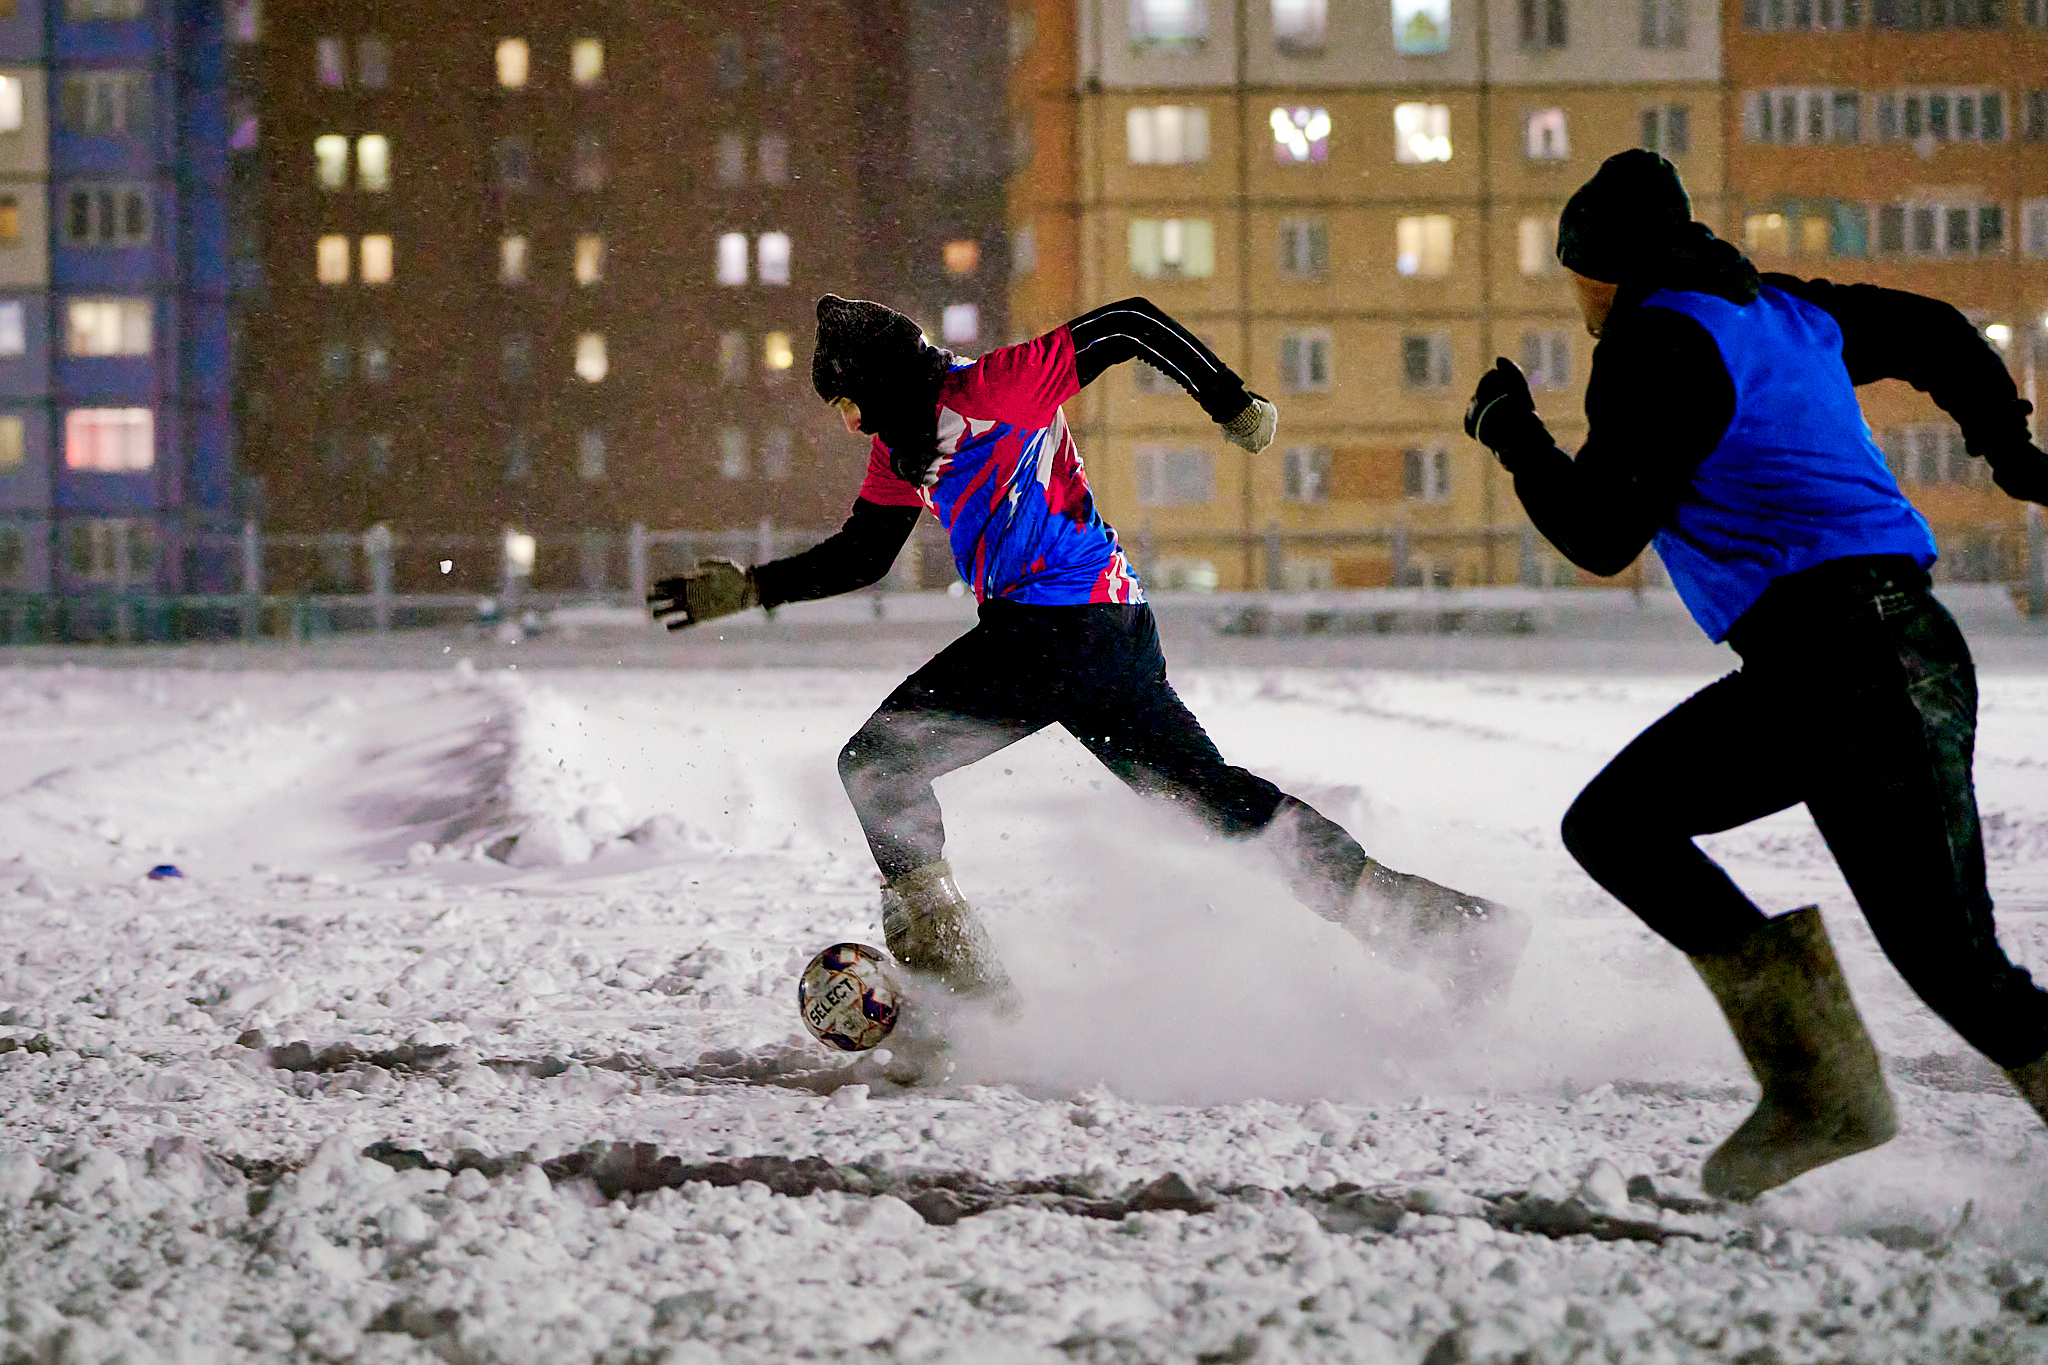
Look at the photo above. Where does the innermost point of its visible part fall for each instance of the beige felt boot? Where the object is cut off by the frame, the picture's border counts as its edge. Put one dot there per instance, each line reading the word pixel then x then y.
pixel 935 933
pixel 1824 1092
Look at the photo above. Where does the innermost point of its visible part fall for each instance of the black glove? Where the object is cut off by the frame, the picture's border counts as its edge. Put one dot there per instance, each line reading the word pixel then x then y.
pixel 716 587
pixel 1502 416
pixel 2022 471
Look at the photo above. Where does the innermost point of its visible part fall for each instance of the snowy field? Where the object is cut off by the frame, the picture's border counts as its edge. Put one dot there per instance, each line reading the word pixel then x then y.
pixel 425 1059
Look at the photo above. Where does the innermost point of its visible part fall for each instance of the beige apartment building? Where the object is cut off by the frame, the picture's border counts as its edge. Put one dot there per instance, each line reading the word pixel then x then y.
pixel 1355 204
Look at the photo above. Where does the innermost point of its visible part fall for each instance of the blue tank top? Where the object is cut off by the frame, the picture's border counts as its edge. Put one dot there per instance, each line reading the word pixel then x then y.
pixel 1796 480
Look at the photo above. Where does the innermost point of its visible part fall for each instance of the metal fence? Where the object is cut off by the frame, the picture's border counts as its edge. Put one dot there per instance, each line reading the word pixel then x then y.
pixel 296 586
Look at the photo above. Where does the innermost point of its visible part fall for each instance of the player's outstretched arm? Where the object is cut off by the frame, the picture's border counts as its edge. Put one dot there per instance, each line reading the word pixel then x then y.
pixel 858 555
pixel 1136 329
pixel 1893 334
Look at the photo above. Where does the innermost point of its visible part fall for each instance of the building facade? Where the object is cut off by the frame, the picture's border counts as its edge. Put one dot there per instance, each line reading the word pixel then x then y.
pixel 115 462
pixel 552 268
pixel 1355 205
pixel 1905 143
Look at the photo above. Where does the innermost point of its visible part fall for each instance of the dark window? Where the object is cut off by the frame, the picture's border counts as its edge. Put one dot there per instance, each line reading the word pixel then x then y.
pixel 732 61
pixel 1891 227
pixel 376 360
pixel 774 58
pixel 378 450
pixel 515 163
pixel 1991 228
pixel 517 359
pixel 334 358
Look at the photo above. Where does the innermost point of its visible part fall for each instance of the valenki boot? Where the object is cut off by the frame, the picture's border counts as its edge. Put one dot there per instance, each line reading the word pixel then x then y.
pixel 933 931
pixel 1824 1092
pixel 1467 945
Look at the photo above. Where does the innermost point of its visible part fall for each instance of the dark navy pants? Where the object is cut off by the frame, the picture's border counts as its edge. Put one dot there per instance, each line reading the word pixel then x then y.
pixel 1856 696
pixel 1097 670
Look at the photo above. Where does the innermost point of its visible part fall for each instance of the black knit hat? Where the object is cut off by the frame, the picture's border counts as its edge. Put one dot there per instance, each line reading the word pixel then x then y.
pixel 1625 219
pixel 863 349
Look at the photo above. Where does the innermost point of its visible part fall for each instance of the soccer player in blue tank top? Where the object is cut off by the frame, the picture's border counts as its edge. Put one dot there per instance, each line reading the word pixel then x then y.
pixel 1064 637
pixel 1724 430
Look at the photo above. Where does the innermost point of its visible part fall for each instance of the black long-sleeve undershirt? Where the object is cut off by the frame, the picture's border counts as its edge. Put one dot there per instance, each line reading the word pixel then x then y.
pixel 863 548
pixel 1660 400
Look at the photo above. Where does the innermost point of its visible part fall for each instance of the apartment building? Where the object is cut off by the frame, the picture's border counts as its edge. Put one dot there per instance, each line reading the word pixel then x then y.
pixel 1905 143
pixel 114 443
pixel 552 268
pixel 1356 206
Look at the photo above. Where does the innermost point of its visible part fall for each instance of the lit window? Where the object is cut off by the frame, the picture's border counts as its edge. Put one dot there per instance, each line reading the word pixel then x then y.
pixel 376 259
pixel 775 453
pixel 1304 248
pixel 732 258
pixel 590 455
pixel 10 220
pixel 732 159
pixel 512 62
pixel 1536 246
pixel 330 66
pixel 1172 248
pixel 1305 362
pixel 1301 135
pixel 775 351
pixel 732 357
pixel 1543 136
pixel 107 327
pixel 332 257
pixel 1422 28
pixel 1547 359
pixel 774 159
pixel 962 258
pixel 960 323
pixel 1169 23
pixel 589 258
pixel 330 160
pixel 586 61
pixel 774 258
pixel 1765 234
pixel 373 63
pixel 13 450
pixel 1023 249
pixel 591 364
pixel 1423 245
pixel 1426 474
pixel 1426 360
pixel 244 20
pixel 512 260
pixel 1422 132
pixel 10 104
pixel 1167 135
pixel 1300 25
pixel 110 440
pixel 13 328
pixel 373 163
pixel 732 452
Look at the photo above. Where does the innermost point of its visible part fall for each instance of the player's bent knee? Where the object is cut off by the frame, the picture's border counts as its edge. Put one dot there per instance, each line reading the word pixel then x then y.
pixel 1589 829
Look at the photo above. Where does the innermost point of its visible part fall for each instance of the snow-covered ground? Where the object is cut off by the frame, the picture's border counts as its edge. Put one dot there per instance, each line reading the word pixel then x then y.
pixel 425 878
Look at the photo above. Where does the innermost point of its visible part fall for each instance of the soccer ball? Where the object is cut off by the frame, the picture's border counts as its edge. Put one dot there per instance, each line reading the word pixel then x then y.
pixel 847 998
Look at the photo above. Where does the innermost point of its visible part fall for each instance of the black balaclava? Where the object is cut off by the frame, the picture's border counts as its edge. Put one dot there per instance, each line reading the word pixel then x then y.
pixel 879 358
pixel 1631 225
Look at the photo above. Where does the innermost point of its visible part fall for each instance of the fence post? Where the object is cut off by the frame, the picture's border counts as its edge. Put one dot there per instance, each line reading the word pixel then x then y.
pixel 1276 558
pixel 2037 563
pixel 252 581
pixel 636 561
pixel 377 549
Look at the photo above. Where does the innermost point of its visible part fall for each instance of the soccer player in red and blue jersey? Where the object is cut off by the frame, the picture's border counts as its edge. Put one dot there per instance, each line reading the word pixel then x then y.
pixel 1064 637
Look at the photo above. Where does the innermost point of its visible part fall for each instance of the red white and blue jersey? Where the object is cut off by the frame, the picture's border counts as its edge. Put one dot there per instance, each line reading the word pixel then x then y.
pixel 1011 491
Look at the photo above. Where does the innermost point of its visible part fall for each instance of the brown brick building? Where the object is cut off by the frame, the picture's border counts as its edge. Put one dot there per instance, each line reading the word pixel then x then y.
pixel 1905 143
pixel 552 267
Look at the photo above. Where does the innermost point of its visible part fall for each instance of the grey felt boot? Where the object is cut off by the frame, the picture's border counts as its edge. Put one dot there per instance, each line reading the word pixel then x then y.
pixel 1467 945
pixel 1824 1092
pixel 933 932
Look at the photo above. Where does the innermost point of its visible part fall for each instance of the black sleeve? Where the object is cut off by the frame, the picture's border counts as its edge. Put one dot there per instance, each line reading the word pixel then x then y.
pixel 1657 405
pixel 1133 329
pixel 858 555
pixel 1891 334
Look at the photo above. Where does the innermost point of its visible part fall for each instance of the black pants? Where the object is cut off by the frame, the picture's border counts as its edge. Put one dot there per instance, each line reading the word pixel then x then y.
pixel 1856 696
pixel 1098 671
